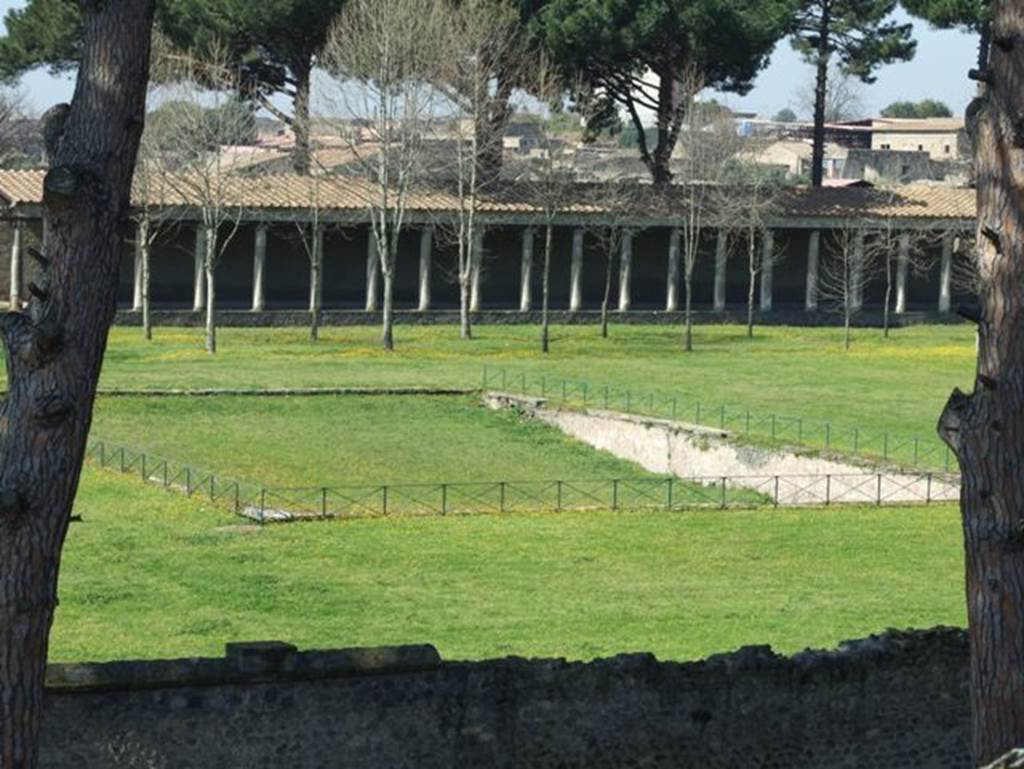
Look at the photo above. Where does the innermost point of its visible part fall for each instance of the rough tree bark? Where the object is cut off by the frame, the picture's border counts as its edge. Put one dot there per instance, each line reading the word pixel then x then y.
pixel 302 157
pixel 986 428
pixel 820 97
pixel 55 349
pixel 611 245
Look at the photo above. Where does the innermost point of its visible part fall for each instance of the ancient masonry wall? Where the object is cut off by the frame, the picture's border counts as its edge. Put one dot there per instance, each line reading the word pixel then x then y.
pixel 895 700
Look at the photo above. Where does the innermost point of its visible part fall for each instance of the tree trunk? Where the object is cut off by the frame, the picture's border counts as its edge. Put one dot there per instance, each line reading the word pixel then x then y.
pixel 688 310
pixel 302 160
pixel 820 97
pixel 490 128
pixel 888 296
pixel 465 323
pixel 55 350
pixel 209 263
pixel 315 299
pixel 388 330
pixel 545 335
pixel 667 119
pixel 609 265
pixel 986 428
pixel 752 270
pixel 211 318
pixel 147 320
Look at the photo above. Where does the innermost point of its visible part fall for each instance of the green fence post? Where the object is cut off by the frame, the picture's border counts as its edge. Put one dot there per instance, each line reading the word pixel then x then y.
pixel 263 502
pixel 670 493
pixel 584 386
pixel 558 505
pixel 444 499
pixel 323 502
pixel 501 497
pixel 748 422
pixel 916 451
pixel 696 419
pixel 384 500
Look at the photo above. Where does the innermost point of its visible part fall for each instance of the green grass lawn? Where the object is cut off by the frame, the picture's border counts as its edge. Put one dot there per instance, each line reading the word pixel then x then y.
pixel 331 440
pixel 154 574
pixel 899 385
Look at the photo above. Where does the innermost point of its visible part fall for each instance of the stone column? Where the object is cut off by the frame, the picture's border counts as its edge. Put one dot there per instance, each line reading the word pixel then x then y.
pixel 902 262
pixel 625 271
pixel 259 260
pixel 316 276
pixel 946 272
pixel 426 254
pixel 767 270
pixel 372 272
pixel 672 279
pixel 137 273
pixel 199 289
pixel 576 272
pixel 526 272
pixel 813 258
pixel 476 289
pixel 17 248
pixel 857 271
pixel 721 255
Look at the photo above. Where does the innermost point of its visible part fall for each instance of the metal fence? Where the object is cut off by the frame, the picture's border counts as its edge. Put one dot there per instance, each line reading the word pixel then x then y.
pixel 268 504
pixel 893 448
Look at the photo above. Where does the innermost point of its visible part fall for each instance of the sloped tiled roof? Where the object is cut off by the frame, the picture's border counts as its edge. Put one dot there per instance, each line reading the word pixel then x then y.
pixel 283 192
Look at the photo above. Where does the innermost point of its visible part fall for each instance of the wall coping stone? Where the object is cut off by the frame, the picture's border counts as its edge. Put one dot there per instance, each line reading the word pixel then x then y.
pixel 243 663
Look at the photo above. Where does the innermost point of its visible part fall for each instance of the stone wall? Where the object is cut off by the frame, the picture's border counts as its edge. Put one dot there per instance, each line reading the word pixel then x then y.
pixel 785 475
pixel 896 700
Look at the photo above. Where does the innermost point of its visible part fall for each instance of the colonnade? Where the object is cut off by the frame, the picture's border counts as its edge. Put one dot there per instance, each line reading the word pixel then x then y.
pixel 812 294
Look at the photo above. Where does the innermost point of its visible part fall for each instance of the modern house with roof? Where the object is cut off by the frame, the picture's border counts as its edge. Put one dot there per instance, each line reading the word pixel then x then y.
pixel 264 274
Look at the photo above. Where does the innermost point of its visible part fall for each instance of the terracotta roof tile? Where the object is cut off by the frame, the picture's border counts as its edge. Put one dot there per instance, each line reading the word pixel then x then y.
pixel 289 191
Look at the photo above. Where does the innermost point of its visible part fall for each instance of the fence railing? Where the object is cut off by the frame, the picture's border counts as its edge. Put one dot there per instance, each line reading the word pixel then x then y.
pixel 890 447
pixel 269 504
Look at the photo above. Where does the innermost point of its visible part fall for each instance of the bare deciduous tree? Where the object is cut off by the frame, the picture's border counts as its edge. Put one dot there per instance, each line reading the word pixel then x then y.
pixel 743 210
pixel 618 200
pixel 705 146
pixel 482 53
pixel 845 272
pixel 384 56
pixel 197 170
pixel 895 250
pixel 551 183
pixel 844 97
pixel 55 349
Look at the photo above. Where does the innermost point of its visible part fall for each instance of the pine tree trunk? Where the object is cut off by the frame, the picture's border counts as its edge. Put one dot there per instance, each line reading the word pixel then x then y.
pixel 986 428
pixel 388 331
pixel 545 334
pixel 302 154
pixel 820 97
pixel 55 350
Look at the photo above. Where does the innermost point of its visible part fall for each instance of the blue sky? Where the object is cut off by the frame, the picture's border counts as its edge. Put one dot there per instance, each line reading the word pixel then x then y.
pixel 938 71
